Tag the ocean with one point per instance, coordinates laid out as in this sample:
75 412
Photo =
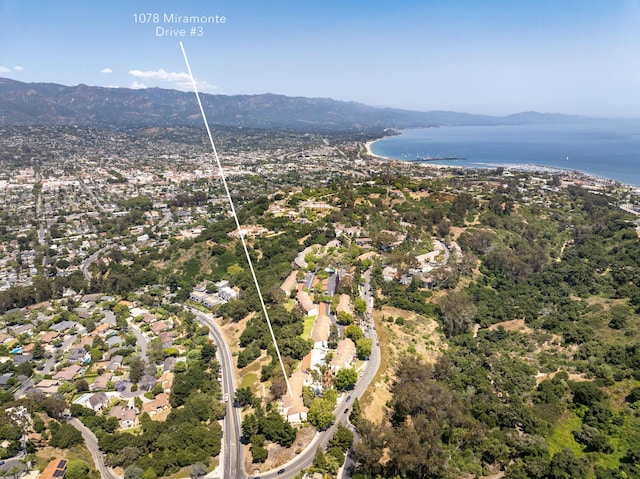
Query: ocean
607 149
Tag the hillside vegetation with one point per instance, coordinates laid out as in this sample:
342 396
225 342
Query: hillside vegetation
534 368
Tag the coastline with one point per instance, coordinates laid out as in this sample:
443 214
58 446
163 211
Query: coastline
520 167
367 146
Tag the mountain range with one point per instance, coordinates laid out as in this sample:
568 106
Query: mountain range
100 107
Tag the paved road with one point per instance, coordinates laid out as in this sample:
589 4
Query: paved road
10 464
96 201
233 452
26 386
84 267
92 444
51 362
305 458
233 456
141 339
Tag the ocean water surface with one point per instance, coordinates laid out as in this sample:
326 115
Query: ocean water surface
608 149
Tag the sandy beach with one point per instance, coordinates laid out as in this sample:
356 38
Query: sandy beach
567 174
415 163
368 144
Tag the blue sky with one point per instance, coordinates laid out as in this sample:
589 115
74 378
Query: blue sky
494 57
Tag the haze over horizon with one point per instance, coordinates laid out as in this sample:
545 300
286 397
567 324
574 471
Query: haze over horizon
495 58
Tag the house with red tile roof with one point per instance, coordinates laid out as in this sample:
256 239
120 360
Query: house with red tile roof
160 403
292 405
344 356
345 304
289 283
304 300
320 331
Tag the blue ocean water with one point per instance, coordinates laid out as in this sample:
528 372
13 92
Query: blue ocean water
608 149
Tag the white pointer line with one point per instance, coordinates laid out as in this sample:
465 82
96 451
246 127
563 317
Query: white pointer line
235 217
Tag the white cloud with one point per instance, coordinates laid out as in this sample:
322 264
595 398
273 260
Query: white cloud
18 68
178 80
161 75
106 70
136 85
4 69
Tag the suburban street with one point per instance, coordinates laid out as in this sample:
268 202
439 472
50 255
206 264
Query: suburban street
51 362
141 339
232 456
12 465
84 267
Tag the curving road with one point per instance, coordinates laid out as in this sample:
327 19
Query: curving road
305 459
92 444
233 452
84 267
233 457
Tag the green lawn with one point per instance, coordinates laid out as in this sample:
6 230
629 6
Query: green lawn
249 380
308 326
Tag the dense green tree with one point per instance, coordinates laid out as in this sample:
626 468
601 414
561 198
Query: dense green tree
81 385
133 472
565 465
65 436
208 352
250 426
136 369
458 312
354 332
149 473
342 438
38 351
344 318
77 469
363 348
320 413
360 305
244 397
345 379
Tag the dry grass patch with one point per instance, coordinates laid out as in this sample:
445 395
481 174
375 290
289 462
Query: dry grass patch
456 231
517 325
572 377
606 303
232 332
279 455
303 239
417 336
160 416
418 195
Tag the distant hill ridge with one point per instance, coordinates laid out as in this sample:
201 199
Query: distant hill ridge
90 106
